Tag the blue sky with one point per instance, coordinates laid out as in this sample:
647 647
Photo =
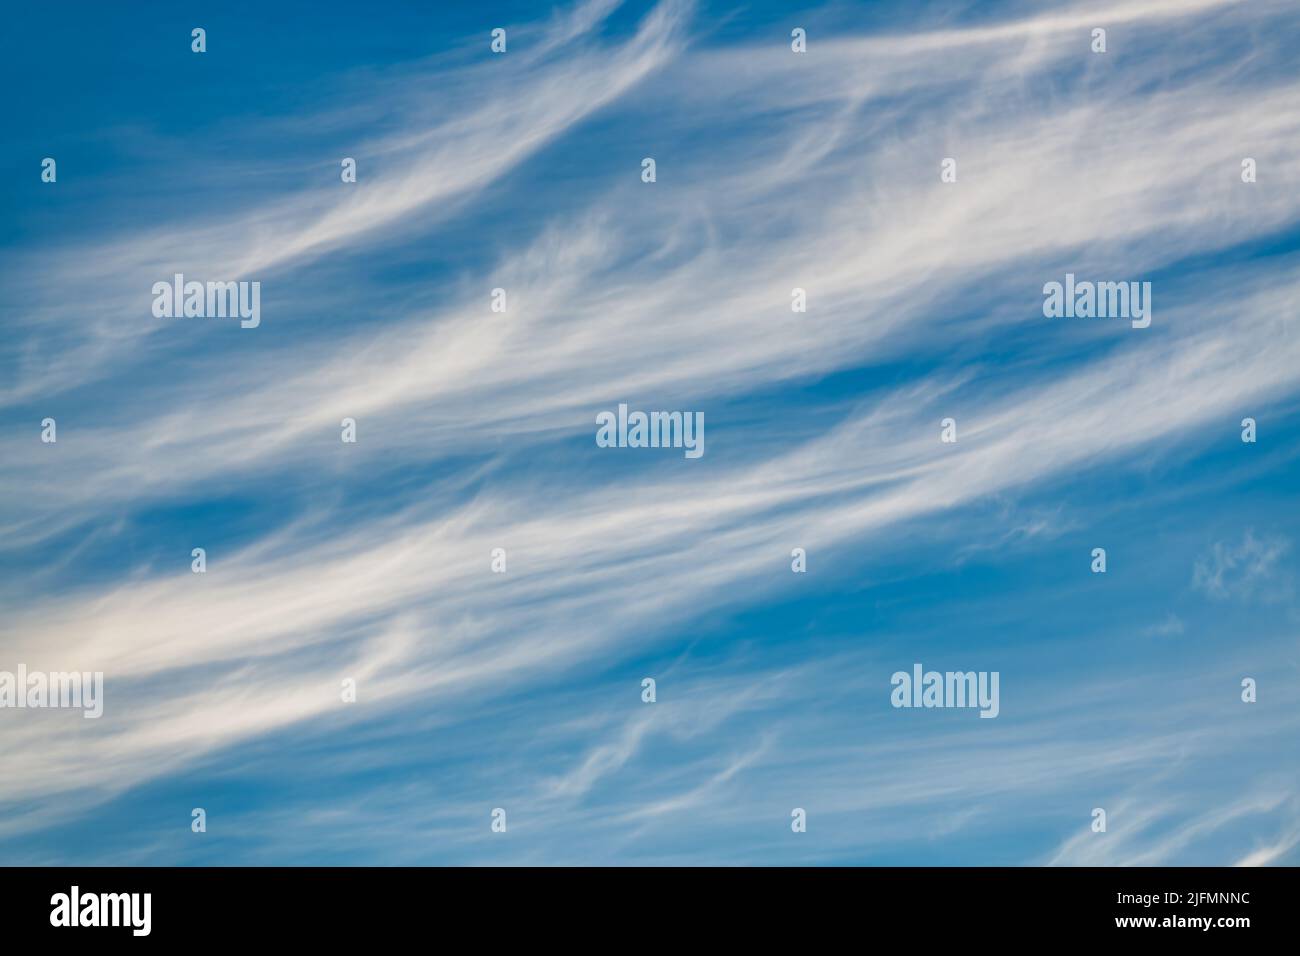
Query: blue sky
775 170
